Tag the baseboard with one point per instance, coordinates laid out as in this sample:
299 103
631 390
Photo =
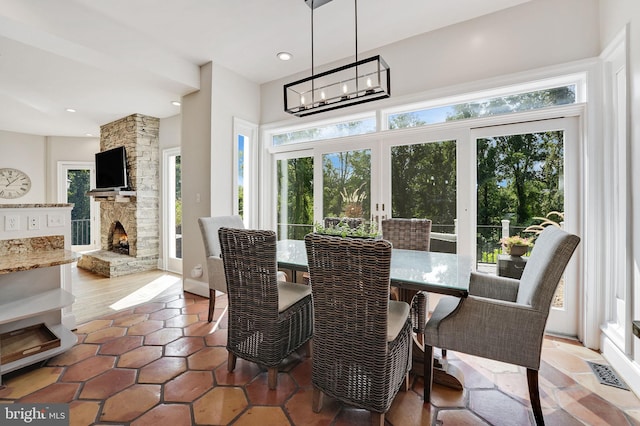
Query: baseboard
196 287
626 368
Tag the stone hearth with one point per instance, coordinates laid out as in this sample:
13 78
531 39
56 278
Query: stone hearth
139 215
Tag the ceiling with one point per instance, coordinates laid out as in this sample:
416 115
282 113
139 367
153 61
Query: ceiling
111 58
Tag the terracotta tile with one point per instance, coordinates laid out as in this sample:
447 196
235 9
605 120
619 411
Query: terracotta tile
195 308
162 370
566 362
140 356
108 383
589 407
475 377
179 303
184 346
91 367
514 385
130 403
219 406
164 314
54 393
408 409
163 336
495 407
244 372
82 413
265 416
166 414
301 373
188 386
202 328
576 348
20 384
75 354
634 416
129 320
259 393
219 338
560 417
350 416
145 327
553 376
181 321
94 325
148 308
623 399
299 407
459 418
118 314
121 345
105 334
207 358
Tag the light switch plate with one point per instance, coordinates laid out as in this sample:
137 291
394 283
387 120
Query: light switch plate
12 222
55 220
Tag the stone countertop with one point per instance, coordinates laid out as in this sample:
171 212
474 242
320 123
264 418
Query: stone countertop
35 259
33 206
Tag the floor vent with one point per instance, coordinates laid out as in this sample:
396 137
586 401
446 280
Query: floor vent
607 376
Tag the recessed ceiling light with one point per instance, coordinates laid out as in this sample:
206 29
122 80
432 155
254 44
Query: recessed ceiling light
71 110
175 103
284 56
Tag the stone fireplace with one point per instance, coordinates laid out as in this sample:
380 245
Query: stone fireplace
129 220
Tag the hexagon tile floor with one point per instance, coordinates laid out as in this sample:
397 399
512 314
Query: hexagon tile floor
161 363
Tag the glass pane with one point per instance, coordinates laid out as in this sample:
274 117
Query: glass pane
178 207
329 131
295 198
241 175
78 184
347 184
520 181
485 107
423 185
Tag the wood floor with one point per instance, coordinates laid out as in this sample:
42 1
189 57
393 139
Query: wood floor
97 295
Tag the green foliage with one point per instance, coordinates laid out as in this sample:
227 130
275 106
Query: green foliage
342 229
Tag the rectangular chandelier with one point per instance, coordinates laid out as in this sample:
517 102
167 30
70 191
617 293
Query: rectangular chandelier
363 81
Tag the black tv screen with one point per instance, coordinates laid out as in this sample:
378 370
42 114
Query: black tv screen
111 169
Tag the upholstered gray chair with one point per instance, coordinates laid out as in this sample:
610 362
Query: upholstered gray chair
411 234
215 270
268 319
502 318
362 340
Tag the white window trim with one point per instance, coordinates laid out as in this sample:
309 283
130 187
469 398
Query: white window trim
251 170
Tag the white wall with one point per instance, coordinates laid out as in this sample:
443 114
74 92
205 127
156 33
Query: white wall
535 34
38 156
170 129
207 157
614 16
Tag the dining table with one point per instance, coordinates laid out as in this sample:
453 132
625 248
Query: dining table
411 271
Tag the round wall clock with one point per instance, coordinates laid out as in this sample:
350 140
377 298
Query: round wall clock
14 183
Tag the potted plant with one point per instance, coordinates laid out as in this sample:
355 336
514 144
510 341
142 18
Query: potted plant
516 245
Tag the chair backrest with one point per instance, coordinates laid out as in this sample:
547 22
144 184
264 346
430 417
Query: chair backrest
410 234
350 288
209 228
250 268
542 273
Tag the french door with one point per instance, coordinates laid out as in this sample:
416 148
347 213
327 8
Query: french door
75 179
528 173
172 210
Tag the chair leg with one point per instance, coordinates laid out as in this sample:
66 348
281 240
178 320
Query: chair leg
212 303
273 377
444 353
406 384
231 362
308 349
534 396
318 397
428 372
377 419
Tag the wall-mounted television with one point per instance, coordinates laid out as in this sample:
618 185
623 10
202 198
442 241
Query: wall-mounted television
111 169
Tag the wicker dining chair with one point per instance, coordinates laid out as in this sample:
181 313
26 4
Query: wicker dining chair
362 340
503 319
411 234
268 319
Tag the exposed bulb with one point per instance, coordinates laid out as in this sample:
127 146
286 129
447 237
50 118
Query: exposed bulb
345 89
369 84
301 100
323 96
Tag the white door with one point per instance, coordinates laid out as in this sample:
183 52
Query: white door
531 169
172 210
75 179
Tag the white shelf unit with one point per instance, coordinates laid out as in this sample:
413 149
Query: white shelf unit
35 284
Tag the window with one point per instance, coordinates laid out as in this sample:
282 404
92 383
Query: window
318 132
